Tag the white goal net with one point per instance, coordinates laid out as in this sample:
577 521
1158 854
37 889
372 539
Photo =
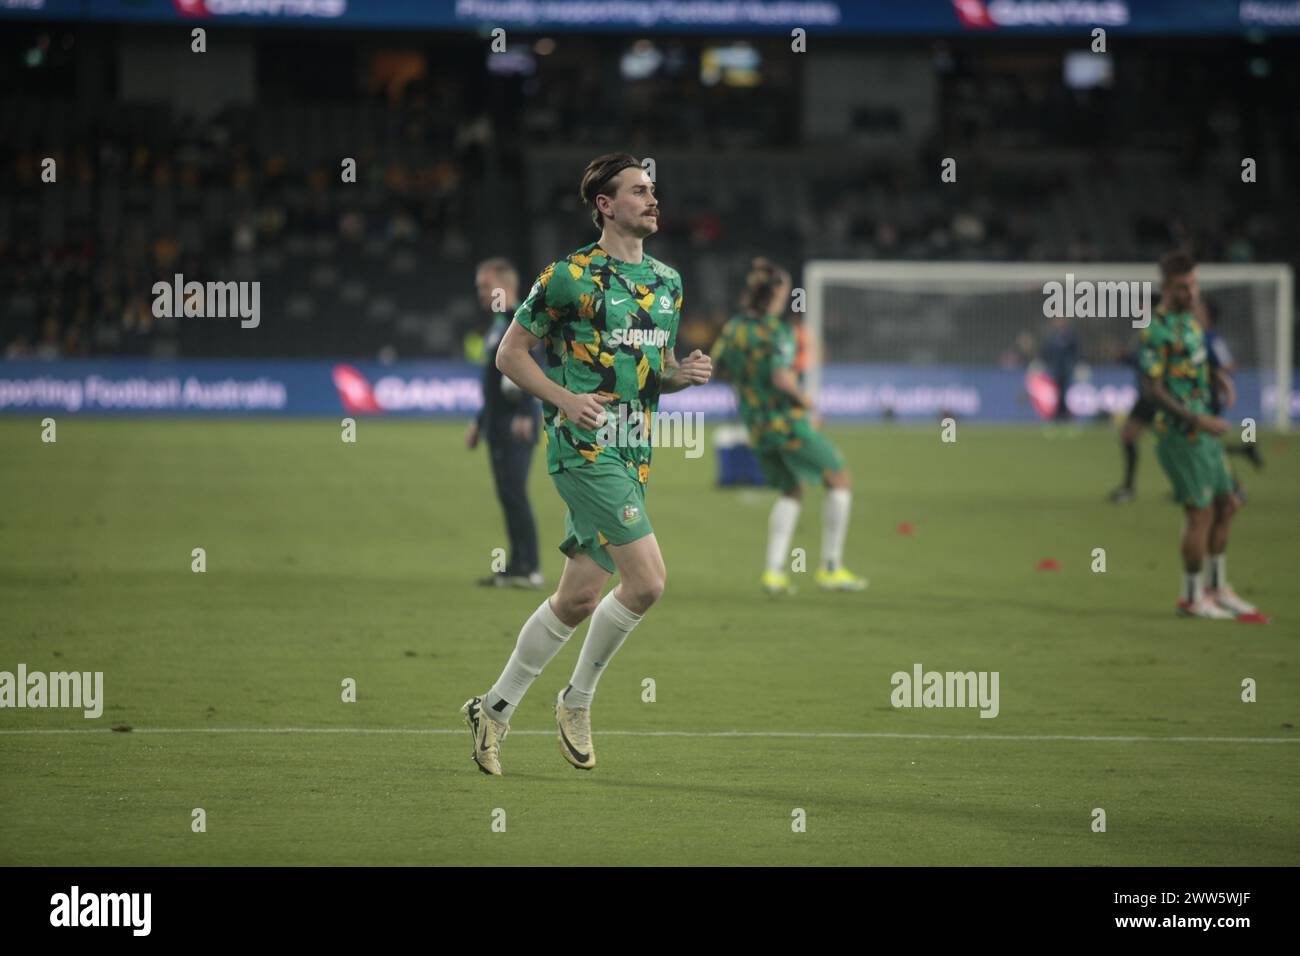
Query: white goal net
950 316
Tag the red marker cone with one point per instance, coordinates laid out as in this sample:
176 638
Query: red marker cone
1049 564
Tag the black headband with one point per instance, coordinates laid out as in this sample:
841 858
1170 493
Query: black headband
600 183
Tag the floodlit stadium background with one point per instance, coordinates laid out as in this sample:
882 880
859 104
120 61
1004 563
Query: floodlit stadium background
225 166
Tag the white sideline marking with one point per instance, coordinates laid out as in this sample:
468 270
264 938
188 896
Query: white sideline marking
666 733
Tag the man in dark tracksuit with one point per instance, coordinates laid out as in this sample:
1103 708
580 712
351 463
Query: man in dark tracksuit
509 423
1061 355
1140 417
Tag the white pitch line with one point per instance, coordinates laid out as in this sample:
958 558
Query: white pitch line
1034 738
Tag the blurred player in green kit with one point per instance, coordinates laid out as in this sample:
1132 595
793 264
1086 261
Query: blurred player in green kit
756 353
607 318
1175 366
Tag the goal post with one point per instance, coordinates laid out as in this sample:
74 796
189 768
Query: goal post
953 316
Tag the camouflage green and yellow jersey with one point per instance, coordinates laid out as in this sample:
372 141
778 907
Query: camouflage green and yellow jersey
1173 352
748 350
606 327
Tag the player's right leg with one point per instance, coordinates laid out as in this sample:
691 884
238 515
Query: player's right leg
1217 588
781 522
833 575
810 456
1184 465
1192 600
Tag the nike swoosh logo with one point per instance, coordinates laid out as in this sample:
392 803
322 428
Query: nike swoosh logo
582 758
480 728
617 301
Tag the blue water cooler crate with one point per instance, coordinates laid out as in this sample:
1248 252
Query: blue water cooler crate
736 462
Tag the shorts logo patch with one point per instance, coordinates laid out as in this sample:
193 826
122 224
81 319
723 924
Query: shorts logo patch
630 513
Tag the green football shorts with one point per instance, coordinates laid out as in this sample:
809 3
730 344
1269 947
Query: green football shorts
807 456
1197 469
606 506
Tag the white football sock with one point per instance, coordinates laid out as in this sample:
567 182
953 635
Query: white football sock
1216 574
540 639
780 530
1192 586
610 625
835 525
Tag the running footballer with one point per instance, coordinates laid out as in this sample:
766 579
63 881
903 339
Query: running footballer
606 316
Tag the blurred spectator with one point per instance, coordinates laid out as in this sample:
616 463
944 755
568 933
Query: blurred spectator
1060 353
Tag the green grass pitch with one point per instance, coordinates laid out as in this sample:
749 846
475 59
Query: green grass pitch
328 560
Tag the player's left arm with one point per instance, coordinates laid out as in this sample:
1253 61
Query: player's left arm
695 369
1224 387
